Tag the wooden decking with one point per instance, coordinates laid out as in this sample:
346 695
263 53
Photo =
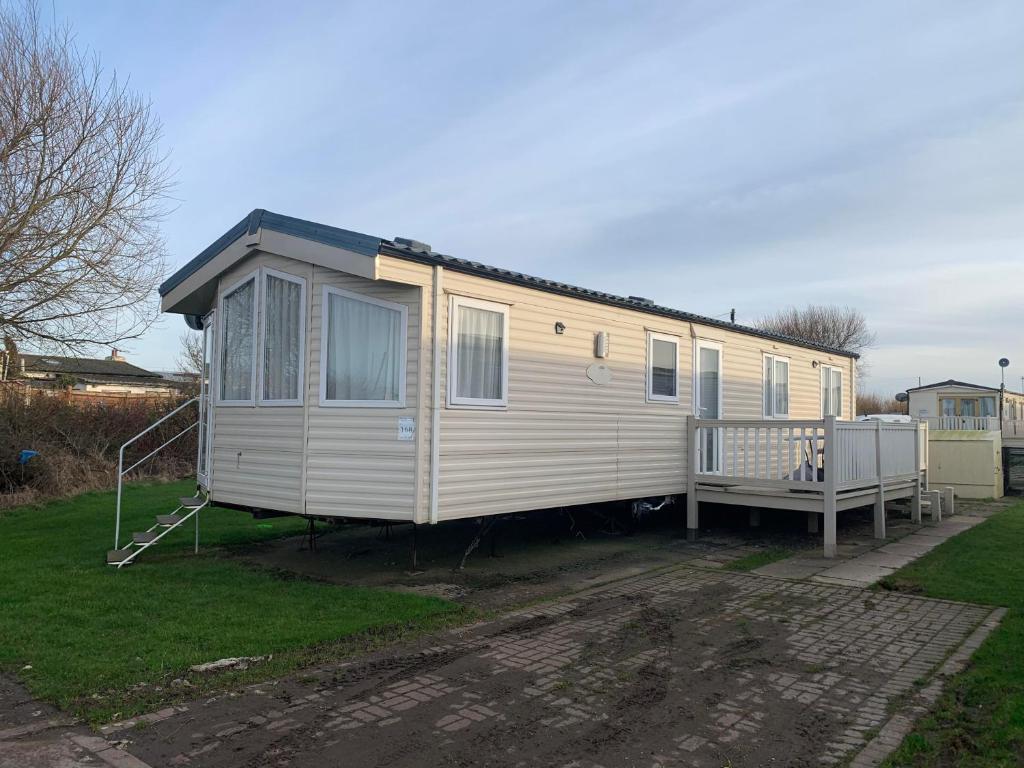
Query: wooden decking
818 467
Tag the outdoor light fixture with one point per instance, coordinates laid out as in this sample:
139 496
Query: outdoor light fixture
559 328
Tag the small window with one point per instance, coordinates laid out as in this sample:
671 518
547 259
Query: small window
283 334
662 368
362 359
776 387
238 352
478 353
831 391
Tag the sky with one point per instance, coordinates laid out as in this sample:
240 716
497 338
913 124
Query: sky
707 155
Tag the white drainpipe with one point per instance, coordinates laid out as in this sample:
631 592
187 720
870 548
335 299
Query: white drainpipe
435 392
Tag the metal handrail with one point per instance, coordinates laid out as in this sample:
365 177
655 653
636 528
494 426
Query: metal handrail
121 471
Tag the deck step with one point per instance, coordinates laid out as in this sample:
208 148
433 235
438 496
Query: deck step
192 502
144 537
115 556
167 521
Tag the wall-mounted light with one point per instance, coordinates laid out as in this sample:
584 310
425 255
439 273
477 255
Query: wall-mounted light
559 328
814 363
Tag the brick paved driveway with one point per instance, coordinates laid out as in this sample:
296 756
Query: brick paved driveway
687 667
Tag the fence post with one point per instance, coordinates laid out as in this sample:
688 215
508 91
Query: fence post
691 478
880 501
829 503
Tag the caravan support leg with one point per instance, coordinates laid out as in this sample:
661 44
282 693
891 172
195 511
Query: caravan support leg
415 562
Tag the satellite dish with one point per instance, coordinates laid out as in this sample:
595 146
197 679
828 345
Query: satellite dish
902 397
1003 362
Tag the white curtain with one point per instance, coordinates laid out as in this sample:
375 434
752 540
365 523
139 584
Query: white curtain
480 359
281 343
781 388
237 350
363 350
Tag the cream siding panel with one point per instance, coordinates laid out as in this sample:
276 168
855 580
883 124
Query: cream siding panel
564 440
357 466
258 450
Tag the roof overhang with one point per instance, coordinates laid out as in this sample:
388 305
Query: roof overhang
191 290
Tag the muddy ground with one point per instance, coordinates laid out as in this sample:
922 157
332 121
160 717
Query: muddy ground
537 556
689 666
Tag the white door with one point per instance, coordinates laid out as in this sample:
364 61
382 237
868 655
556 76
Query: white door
206 389
707 398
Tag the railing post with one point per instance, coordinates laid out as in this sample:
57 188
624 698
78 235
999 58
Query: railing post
691 478
120 477
880 501
915 502
829 502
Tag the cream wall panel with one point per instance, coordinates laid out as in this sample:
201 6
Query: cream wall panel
258 450
356 465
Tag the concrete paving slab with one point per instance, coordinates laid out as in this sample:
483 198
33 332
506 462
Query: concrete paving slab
910 546
892 560
855 571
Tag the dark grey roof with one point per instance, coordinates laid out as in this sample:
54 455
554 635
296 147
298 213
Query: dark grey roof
87 367
287 225
955 383
370 246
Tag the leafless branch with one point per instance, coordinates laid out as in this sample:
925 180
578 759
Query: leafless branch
83 188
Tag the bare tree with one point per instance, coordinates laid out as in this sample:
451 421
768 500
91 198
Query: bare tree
83 187
869 402
190 357
843 328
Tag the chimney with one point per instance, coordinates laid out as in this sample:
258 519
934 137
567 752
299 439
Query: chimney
115 355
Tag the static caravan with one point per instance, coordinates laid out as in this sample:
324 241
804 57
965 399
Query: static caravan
959 405
353 376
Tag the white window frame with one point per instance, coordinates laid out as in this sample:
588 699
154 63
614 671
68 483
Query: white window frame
828 369
653 336
764 385
453 400
325 320
266 272
221 330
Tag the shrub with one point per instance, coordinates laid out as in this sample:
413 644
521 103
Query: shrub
78 440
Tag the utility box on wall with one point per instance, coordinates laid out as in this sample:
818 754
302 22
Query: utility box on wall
970 461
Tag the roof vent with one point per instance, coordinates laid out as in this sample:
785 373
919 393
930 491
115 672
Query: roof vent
642 300
412 245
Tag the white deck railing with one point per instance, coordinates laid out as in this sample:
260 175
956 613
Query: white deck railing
796 455
984 423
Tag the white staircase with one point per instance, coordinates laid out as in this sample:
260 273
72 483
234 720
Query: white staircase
188 508
143 540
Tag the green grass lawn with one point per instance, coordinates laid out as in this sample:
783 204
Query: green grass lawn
979 720
91 634
757 559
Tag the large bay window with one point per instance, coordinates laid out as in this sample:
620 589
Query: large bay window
238 350
283 333
274 303
776 387
662 367
831 391
478 353
363 350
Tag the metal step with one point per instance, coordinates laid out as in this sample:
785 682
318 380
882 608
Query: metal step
115 556
192 502
166 521
144 537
